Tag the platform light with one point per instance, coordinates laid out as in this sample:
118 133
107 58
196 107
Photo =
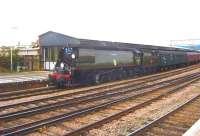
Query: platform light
73 56
62 65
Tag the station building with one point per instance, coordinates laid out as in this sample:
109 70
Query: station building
50 43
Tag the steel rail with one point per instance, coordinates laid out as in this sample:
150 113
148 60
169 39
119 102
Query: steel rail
6 95
131 109
18 92
78 100
156 121
157 77
35 125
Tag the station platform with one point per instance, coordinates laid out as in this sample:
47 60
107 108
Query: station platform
23 77
194 130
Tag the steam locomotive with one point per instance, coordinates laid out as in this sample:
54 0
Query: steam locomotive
98 61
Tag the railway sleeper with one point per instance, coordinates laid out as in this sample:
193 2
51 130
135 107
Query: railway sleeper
175 124
181 124
161 131
170 127
183 115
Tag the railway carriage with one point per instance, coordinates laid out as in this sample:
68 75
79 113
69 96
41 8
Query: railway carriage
97 62
193 57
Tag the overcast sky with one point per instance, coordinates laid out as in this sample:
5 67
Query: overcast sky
133 21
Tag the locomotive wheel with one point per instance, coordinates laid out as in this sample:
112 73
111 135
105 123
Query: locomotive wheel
130 73
124 74
120 76
97 79
109 78
60 83
113 76
103 79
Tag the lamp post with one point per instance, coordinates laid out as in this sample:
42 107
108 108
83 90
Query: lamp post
11 60
14 29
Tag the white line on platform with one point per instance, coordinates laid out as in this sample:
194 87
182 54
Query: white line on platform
194 130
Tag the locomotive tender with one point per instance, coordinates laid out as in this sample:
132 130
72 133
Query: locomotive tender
100 61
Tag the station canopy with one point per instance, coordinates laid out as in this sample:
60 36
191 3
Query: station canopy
53 39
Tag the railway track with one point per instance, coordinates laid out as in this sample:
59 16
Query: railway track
175 122
47 90
77 96
82 99
10 95
26 121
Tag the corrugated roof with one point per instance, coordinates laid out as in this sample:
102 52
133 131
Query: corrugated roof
51 38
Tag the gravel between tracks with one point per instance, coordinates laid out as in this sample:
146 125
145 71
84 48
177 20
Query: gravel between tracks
9 102
122 127
143 116
66 91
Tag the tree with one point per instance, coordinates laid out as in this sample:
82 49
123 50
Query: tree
5 58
